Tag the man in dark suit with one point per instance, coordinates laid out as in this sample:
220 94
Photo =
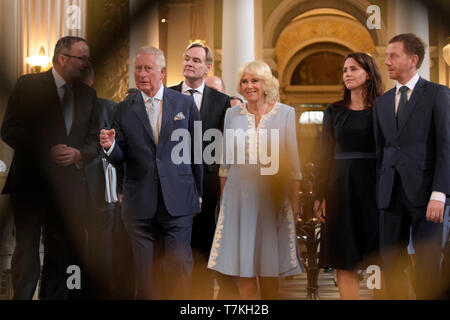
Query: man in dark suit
212 105
160 194
412 132
51 122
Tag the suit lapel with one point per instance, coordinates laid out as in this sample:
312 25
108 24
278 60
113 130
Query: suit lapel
391 120
388 113
412 103
138 107
178 87
165 118
79 100
53 104
204 109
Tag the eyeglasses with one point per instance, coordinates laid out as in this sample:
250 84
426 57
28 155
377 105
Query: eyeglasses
83 59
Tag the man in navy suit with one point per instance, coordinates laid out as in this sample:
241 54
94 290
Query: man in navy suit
160 197
412 132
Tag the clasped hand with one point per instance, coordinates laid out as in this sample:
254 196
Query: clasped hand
64 156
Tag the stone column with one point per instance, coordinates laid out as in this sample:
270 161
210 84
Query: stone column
144 29
179 35
238 39
412 16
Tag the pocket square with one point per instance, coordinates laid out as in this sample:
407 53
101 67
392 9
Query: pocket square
179 116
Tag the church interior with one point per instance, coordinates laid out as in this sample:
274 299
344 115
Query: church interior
303 41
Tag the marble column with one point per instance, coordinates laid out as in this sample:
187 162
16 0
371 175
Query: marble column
144 29
412 17
238 39
179 35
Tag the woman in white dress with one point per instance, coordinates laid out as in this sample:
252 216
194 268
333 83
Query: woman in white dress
255 236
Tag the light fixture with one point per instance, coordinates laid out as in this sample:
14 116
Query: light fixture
39 61
203 42
163 20
446 52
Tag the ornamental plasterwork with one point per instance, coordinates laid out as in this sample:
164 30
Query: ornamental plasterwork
316 29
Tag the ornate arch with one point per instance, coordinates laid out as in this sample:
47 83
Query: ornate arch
300 55
287 10
341 31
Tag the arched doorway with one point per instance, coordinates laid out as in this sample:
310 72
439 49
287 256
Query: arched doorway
305 45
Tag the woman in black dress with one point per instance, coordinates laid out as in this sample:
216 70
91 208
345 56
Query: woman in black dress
346 176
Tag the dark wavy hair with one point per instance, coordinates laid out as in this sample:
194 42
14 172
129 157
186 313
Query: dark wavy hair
374 85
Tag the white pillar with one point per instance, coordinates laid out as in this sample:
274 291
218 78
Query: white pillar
179 35
412 17
238 39
144 31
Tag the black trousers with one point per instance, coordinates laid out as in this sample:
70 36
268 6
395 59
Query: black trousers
64 245
124 278
395 223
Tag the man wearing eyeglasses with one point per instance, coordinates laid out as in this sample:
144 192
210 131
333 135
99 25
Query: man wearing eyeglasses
51 122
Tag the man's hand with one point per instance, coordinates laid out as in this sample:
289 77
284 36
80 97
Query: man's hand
64 156
435 211
107 138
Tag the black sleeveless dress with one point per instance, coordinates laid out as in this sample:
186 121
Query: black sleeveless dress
346 178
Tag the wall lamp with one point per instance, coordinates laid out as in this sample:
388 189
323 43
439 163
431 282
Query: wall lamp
39 61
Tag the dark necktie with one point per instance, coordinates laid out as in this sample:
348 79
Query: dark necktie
67 105
402 103
192 91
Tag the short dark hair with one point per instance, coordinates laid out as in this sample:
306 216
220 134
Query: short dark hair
63 44
412 44
208 54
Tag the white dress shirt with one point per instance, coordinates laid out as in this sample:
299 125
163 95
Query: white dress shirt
198 94
157 101
157 104
410 84
59 82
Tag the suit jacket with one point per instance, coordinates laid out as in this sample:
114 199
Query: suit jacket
419 149
34 122
95 175
212 113
149 166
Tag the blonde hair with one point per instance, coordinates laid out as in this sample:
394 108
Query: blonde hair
261 70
